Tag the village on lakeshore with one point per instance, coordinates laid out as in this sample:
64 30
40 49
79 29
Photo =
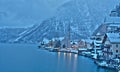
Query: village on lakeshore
103 46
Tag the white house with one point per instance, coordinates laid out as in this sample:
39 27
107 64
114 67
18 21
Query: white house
113 27
98 40
112 20
112 45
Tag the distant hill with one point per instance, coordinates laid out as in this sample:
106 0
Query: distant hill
9 34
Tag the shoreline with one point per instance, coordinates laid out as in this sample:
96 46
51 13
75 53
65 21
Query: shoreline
96 61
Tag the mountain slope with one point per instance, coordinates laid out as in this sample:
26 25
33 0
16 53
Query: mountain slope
22 13
9 34
82 15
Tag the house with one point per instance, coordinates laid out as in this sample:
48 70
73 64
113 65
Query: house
82 44
114 13
99 40
107 51
65 43
112 46
113 24
113 27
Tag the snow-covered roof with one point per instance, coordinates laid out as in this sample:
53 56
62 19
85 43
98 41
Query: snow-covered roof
115 24
107 42
98 34
74 42
60 38
88 40
113 37
113 20
45 40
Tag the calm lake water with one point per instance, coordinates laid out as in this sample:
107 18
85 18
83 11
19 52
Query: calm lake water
28 58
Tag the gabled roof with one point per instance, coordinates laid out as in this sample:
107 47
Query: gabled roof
113 37
115 24
112 20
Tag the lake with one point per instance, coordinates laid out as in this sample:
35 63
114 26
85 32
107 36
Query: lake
28 58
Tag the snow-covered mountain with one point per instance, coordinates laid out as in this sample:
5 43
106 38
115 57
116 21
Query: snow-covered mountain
22 13
9 34
83 16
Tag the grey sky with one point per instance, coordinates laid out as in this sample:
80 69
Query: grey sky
26 12
22 13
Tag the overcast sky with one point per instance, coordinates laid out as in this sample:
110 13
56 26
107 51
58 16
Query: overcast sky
22 13
26 12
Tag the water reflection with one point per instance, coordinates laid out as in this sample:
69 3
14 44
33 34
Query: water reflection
31 60
58 61
75 56
64 57
75 63
65 54
69 59
59 54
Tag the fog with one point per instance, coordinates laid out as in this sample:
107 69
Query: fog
23 13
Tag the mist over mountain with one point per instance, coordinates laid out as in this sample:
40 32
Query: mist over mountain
83 16
22 13
9 34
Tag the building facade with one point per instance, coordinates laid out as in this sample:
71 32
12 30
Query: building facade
112 46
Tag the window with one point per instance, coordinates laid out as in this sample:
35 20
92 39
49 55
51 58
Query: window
111 53
99 39
116 51
116 56
117 45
